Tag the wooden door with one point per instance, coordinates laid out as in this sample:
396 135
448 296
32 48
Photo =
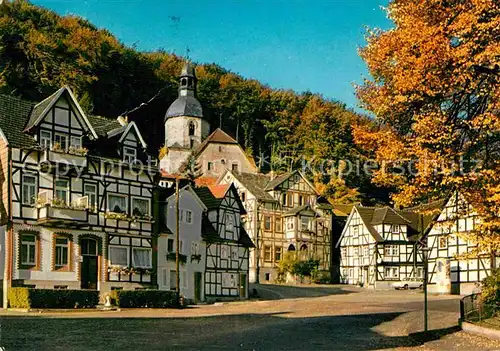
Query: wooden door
89 272
197 286
243 285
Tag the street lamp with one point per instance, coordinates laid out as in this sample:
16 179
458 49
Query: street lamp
425 253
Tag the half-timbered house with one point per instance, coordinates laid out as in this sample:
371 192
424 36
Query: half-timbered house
76 197
449 239
378 246
284 213
213 246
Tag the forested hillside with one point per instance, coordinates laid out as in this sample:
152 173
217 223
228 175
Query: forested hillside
40 51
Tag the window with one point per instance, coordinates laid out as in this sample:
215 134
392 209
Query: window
60 287
268 254
170 245
45 139
221 149
90 190
355 231
243 196
28 249
443 242
117 203
366 251
267 223
395 228
29 189
118 256
62 252
140 207
186 216
234 167
141 257
277 253
301 200
195 248
224 252
343 251
420 272
229 222
289 200
129 154
391 272
62 191
210 166
267 276
234 253
305 223
61 142
303 247
173 279
277 225
356 251
75 142
223 162
391 250
191 128
290 223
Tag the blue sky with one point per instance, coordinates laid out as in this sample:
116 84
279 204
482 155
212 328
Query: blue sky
292 44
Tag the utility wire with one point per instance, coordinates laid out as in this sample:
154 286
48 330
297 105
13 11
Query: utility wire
145 103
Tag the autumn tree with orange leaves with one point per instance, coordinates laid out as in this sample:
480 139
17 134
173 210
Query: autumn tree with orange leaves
435 91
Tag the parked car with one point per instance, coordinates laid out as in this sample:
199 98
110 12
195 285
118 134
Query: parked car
412 283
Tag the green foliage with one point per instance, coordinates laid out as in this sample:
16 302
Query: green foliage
294 264
490 289
144 298
48 298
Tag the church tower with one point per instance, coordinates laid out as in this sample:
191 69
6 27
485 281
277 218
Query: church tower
185 127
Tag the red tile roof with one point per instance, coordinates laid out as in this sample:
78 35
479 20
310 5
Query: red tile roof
205 181
219 190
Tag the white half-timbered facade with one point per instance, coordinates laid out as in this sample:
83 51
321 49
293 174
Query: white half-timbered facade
77 193
284 213
448 239
378 247
227 249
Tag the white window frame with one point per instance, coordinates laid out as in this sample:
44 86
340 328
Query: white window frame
30 201
186 216
150 251
67 189
46 142
355 231
142 199
119 247
118 195
391 251
62 136
79 143
396 229
127 152
229 223
441 240
391 270
366 251
67 246
29 244
89 193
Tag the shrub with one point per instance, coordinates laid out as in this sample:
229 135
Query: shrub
490 289
48 298
144 298
322 278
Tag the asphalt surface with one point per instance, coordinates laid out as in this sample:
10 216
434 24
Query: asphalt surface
285 318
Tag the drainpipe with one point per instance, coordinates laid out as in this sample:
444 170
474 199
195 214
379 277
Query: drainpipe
8 245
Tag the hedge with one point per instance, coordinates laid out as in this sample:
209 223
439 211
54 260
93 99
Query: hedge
144 298
48 298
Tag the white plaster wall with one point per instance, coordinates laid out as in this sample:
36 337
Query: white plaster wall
230 153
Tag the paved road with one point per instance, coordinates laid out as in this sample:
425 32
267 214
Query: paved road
298 318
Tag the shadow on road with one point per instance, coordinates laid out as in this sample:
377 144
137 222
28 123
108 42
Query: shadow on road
243 332
277 292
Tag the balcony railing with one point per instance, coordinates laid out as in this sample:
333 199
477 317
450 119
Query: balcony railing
71 159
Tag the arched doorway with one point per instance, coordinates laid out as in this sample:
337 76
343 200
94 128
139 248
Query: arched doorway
291 247
89 265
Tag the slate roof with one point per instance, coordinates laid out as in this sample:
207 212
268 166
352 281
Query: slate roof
388 215
255 183
366 214
244 239
278 180
14 114
430 213
208 199
208 232
39 108
300 210
185 106
103 125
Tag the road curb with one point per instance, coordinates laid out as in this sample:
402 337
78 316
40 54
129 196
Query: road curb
482 331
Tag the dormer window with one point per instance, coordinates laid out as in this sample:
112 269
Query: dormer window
61 142
191 128
45 139
129 154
